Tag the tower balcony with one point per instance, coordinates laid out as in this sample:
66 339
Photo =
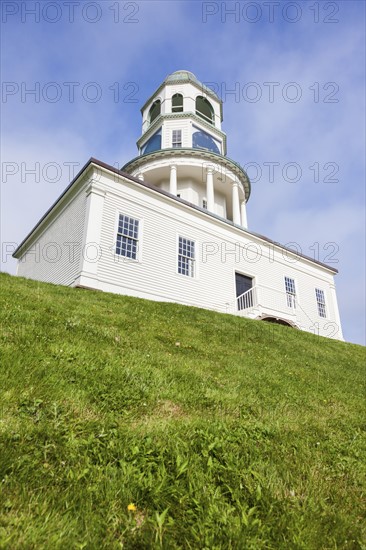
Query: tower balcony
203 178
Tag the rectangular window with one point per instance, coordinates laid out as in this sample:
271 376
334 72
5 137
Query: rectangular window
127 237
204 203
177 139
320 299
290 292
186 257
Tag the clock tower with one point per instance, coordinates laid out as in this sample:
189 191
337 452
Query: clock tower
182 149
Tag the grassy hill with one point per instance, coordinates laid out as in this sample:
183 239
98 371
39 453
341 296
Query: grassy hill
133 424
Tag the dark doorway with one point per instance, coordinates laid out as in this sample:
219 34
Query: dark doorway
243 284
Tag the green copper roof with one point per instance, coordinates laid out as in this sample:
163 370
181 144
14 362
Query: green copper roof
187 76
181 75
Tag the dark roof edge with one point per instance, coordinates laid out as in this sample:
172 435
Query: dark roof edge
106 166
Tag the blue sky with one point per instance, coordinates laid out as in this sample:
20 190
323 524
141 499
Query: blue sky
297 72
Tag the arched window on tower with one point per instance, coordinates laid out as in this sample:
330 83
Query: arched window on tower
155 110
204 109
177 103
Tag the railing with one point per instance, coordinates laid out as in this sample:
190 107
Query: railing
278 302
247 300
269 300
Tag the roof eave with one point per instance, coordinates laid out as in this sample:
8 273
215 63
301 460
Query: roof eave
114 170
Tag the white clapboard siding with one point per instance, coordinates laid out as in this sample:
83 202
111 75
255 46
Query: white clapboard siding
50 258
155 275
177 124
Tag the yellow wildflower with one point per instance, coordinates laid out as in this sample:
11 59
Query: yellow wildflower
131 507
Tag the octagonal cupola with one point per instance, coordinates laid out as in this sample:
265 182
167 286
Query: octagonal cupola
182 149
182 112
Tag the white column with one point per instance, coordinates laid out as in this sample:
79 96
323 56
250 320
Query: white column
173 180
236 207
210 190
243 214
337 317
91 249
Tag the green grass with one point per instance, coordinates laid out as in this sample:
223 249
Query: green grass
224 433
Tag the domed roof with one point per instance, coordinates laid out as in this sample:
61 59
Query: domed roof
187 76
182 75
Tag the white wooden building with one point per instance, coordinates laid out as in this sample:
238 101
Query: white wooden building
172 225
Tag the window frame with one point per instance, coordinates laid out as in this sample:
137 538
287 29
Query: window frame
321 303
154 104
290 289
196 127
177 144
192 264
121 257
157 133
177 108
210 120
